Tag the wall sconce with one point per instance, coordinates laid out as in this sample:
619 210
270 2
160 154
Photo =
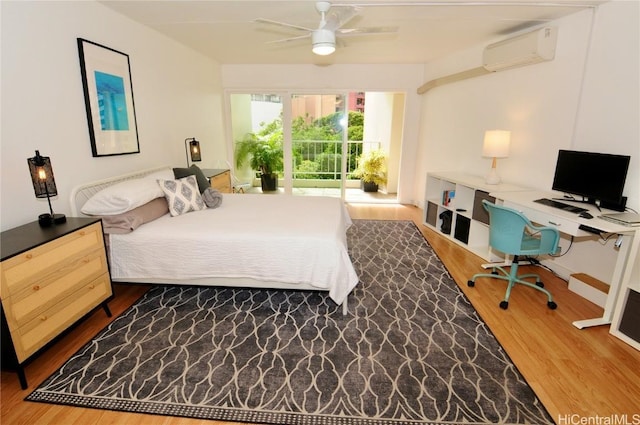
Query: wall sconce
44 186
496 145
192 147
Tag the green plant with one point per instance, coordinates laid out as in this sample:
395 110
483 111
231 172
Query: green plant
372 167
263 154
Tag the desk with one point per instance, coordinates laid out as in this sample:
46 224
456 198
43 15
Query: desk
569 223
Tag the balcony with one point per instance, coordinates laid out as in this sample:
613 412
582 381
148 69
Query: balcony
316 171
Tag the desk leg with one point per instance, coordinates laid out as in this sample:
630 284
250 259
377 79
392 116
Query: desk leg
501 260
621 275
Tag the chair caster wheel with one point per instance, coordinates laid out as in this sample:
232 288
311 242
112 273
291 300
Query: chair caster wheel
552 305
504 305
540 284
495 272
471 283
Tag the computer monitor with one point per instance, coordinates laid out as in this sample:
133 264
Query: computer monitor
597 177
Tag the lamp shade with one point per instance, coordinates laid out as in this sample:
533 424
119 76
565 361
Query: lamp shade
44 184
324 42
192 147
496 143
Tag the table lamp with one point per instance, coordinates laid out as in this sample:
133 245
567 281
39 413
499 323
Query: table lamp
496 145
192 147
44 186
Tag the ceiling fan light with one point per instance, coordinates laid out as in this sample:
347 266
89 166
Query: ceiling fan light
323 49
324 42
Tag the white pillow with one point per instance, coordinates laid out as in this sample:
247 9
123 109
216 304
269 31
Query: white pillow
127 195
182 195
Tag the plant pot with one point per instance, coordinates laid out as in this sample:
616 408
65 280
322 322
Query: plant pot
269 182
369 187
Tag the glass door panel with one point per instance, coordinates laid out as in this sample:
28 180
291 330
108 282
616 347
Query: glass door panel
257 134
317 135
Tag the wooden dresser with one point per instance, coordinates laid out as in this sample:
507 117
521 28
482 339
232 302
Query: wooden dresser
50 277
220 179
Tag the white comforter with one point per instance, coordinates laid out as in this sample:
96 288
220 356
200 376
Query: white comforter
294 240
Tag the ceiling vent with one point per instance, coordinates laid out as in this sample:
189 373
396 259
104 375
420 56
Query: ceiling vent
526 49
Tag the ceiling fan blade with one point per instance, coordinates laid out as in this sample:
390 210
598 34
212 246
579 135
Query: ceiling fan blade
286 40
282 24
339 16
366 30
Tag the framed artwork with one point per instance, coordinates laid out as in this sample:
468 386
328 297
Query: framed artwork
108 97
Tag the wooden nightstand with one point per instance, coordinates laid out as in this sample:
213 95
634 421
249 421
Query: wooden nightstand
220 179
50 277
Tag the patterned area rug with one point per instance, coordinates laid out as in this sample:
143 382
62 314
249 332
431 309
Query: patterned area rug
411 350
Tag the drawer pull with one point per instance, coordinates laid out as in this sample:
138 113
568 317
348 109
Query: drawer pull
555 224
43 318
29 256
36 287
92 286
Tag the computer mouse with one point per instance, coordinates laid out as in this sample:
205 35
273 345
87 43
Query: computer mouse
585 214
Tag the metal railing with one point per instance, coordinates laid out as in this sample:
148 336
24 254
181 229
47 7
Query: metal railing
322 159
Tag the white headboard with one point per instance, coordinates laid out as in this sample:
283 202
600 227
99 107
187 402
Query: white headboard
81 194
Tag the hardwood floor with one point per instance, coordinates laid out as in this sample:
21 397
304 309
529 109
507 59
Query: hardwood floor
579 375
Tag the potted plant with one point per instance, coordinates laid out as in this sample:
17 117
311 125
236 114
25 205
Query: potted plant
371 170
264 155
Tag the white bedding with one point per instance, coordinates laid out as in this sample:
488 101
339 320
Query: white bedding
279 238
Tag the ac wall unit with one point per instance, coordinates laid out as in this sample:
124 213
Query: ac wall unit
525 49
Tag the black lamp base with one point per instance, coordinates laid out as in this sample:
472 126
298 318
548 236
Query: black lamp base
47 220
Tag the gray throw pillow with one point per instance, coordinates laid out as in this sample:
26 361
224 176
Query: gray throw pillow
194 170
212 197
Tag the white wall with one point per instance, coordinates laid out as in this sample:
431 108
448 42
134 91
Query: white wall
176 91
316 79
585 99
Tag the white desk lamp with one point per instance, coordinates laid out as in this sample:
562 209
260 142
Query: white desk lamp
496 145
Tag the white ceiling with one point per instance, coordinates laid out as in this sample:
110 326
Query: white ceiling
427 30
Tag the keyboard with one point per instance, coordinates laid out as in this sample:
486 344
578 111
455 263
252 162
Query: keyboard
560 205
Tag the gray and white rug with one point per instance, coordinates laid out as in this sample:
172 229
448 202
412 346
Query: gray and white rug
411 350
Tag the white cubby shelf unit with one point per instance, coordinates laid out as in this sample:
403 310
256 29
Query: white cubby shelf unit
453 208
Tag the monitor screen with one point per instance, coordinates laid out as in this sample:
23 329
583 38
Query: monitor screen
594 176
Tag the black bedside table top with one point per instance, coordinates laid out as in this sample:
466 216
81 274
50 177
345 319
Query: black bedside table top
23 238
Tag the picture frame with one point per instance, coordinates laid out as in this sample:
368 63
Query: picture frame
108 97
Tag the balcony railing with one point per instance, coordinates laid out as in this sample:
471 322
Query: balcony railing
322 159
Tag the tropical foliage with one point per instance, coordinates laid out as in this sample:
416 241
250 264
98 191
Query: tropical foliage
372 167
317 151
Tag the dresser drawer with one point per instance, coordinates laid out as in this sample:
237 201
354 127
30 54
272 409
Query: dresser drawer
222 182
41 294
37 332
47 262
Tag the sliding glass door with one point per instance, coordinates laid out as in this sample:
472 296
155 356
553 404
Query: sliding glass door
309 143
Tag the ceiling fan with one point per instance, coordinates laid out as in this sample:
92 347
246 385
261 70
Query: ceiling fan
323 38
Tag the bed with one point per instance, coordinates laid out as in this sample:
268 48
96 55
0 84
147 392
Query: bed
256 241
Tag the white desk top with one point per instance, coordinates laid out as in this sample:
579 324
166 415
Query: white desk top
526 199
476 182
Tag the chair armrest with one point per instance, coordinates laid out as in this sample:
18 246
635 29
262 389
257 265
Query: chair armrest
549 237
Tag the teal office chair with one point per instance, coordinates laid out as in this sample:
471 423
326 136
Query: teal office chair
510 232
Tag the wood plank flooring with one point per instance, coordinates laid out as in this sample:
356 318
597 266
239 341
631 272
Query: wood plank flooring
579 375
